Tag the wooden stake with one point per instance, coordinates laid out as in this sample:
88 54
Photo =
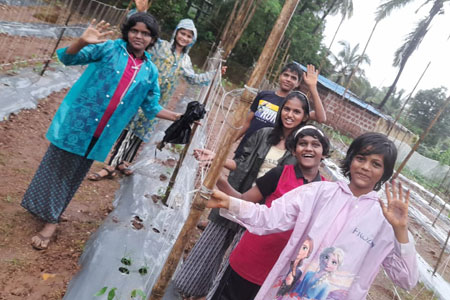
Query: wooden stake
283 60
442 253
186 147
442 209
238 118
407 100
437 189
325 55
422 137
347 87
353 73
58 41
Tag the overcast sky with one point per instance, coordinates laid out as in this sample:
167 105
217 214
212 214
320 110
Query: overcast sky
389 36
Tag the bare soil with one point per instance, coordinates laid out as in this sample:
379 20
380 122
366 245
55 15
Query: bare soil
22 145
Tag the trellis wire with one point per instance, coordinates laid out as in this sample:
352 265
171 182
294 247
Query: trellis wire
83 11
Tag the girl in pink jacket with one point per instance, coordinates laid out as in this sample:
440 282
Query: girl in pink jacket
353 231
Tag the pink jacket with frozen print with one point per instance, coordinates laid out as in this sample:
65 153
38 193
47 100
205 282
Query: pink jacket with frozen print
336 249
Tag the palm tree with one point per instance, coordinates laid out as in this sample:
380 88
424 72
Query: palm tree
413 40
333 7
346 60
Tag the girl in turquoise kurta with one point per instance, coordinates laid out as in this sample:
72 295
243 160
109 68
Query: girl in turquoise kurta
120 78
173 61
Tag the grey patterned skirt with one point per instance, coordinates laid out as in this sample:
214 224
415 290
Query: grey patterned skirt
56 180
196 275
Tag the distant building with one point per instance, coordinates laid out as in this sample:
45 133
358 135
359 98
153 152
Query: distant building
352 116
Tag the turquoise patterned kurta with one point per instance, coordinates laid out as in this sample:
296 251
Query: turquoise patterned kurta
170 68
77 118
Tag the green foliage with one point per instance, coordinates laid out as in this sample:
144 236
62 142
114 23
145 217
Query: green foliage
168 13
101 292
348 66
305 46
424 107
440 152
112 294
422 180
138 293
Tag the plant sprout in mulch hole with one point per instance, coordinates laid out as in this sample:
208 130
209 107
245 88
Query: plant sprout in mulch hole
143 271
137 223
127 262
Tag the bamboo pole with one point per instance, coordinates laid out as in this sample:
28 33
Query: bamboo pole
186 147
422 137
359 61
273 62
442 209
239 24
227 27
353 73
238 118
325 55
437 189
442 253
284 58
58 41
407 100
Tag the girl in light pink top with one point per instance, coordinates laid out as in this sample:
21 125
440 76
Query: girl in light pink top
353 231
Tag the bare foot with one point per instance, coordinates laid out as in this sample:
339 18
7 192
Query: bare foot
41 240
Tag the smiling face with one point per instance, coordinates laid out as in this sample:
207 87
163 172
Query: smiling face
288 81
292 113
365 172
139 38
309 152
183 38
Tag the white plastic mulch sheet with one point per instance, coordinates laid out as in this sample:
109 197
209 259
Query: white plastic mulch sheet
129 249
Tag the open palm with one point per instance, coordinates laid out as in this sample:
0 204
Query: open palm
96 34
396 211
311 76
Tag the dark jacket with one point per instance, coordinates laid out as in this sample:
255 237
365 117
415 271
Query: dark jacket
247 167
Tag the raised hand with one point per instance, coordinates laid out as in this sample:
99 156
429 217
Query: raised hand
96 33
311 76
141 5
396 211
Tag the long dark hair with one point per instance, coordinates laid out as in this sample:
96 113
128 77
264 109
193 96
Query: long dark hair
143 17
276 134
367 144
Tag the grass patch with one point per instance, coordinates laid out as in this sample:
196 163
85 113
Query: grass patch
422 180
23 171
17 262
9 199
